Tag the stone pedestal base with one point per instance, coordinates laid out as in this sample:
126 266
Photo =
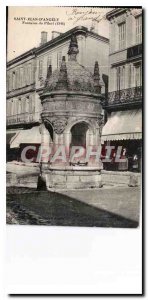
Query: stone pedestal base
72 178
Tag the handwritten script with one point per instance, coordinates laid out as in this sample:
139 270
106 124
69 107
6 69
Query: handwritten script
78 14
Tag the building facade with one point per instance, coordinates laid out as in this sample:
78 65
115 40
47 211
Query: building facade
124 102
26 76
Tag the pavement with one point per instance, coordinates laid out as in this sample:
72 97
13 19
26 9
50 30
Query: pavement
114 207
121 200
103 206
21 168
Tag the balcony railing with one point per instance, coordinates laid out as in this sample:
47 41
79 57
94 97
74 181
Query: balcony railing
24 118
125 96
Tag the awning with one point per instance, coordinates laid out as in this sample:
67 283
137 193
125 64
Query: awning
27 136
10 134
123 125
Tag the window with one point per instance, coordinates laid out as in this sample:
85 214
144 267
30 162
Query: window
129 75
40 68
10 81
21 76
27 104
122 78
31 105
22 105
12 107
139 29
13 80
49 61
120 74
19 106
59 59
15 106
29 74
8 108
138 75
122 35
25 75
7 83
18 78
118 78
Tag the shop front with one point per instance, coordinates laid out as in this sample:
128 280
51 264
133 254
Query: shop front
124 129
28 140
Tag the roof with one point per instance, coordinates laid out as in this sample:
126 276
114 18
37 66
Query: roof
53 42
28 53
120 10
78 78
72 76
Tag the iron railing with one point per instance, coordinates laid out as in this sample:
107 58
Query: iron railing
124 96
23 118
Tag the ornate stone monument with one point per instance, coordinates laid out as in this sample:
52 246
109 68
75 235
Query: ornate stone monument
71 119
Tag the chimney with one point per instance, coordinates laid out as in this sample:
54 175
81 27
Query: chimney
94 26
43 37
55 34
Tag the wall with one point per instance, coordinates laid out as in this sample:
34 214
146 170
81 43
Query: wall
90 50
96 50
26 78
118 57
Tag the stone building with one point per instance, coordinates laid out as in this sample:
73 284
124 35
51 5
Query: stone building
71 117
26 75
21 107
124 101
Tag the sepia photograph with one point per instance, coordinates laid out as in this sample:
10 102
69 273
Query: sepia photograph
74 116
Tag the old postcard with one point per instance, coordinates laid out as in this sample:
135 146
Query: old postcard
74 116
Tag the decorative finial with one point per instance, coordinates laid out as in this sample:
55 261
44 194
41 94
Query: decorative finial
96 70
73 48
97 85
62 83
49 73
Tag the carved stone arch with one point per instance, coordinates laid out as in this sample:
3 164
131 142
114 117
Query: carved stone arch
87 133
71 123
47 122
49 127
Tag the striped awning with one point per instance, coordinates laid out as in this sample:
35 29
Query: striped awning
27 136
123 125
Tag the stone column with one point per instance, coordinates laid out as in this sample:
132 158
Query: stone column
45 141
67 141
43 158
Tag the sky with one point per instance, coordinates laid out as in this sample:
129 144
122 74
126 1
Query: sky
23 36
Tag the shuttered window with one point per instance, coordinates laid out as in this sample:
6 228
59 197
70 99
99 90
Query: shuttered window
139 29
40 68
122 35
